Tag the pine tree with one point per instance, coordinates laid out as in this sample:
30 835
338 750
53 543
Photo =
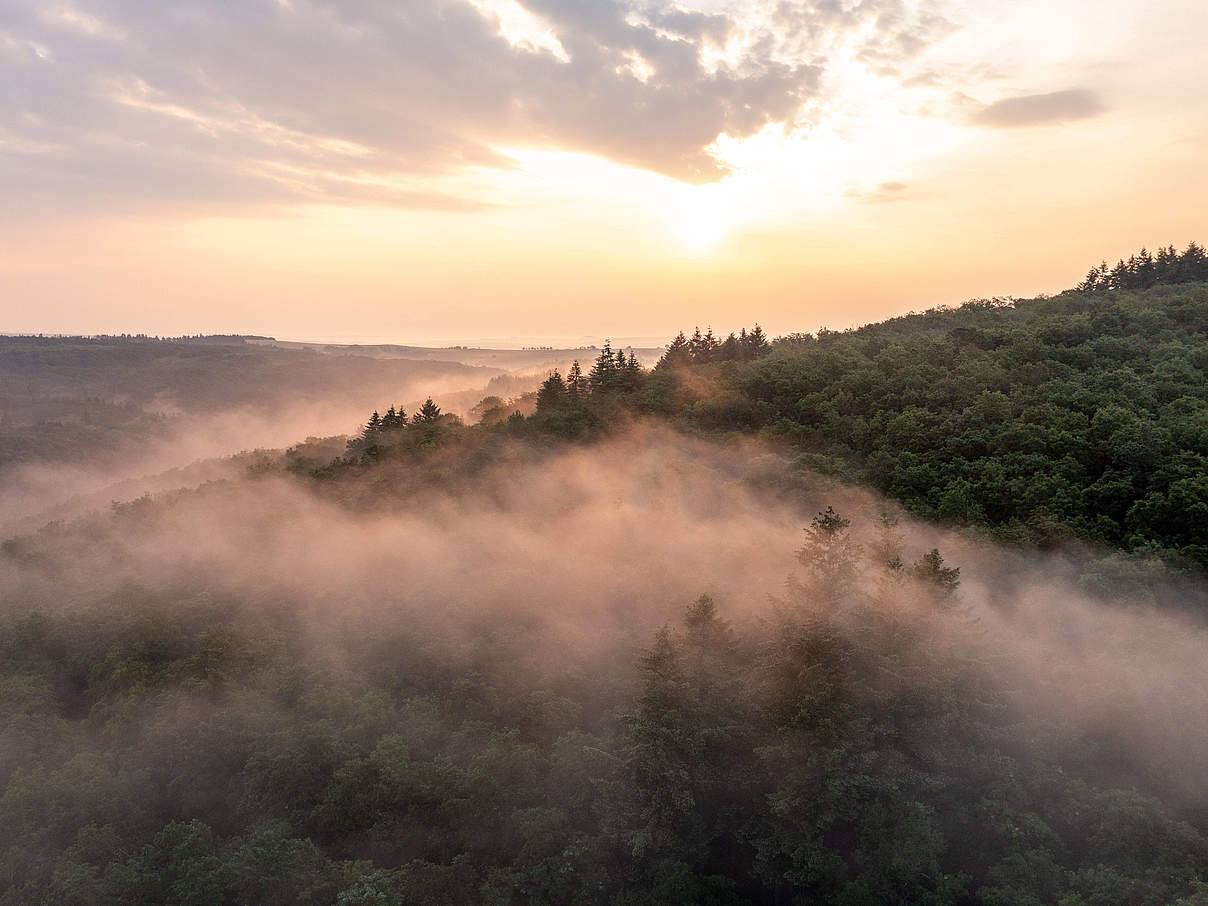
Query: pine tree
553 394
429 412
678 353
1118 278
395 419
604 373
704 348
576 383
1193 264
731 349
757 343
1144 273
830 556
930 569
632 366
372 428
1166 264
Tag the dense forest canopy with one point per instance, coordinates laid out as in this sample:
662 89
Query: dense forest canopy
654 635
1076 416
1081 416
462 694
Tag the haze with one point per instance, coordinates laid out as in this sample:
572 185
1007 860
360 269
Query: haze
472 168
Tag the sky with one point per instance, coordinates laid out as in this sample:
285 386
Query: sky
441 170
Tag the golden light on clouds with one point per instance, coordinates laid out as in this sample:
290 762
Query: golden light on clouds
470 166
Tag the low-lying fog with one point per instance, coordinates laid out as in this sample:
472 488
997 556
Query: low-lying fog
197 448
577 557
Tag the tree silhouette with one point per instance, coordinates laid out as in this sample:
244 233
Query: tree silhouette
429 412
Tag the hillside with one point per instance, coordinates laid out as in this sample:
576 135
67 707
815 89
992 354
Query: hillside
655 641
1077 416
1082 417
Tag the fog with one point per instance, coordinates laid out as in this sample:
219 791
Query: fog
571 560
198 446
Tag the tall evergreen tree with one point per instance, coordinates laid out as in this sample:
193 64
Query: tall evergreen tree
429 412
576 384
553 394
757 343
394 419
603 374
830 556
372 428
678 353
704 348
731 349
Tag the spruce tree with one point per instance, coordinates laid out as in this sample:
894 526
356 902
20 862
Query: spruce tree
576 383
429 412
731 349
757 342
678 354
553 394
372 428
604 372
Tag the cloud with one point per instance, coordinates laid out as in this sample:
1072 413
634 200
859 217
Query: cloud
886 191
1040 109
317 100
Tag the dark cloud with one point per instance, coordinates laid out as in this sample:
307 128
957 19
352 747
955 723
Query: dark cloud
265 100
1040 109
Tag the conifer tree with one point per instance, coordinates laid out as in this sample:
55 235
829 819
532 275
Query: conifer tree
576 383
678 353
553 394
930 569
1194 263
428 413
757 342
604 372
704 348
731 349
372 428
829 554
394 419
633 372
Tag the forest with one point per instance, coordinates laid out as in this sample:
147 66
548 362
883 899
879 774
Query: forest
912 613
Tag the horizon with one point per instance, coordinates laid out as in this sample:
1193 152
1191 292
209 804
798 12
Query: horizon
522 341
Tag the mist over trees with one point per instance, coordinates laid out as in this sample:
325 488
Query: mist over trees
1073 418
912 613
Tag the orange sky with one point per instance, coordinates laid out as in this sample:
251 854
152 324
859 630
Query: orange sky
561 170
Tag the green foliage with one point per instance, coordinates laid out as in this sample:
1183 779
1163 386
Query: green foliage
1080 416
840 748
1144 270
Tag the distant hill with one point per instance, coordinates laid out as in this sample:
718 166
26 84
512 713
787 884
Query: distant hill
77 398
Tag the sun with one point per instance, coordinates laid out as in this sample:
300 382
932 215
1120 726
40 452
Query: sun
699 217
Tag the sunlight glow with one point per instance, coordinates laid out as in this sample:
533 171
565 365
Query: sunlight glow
522 28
